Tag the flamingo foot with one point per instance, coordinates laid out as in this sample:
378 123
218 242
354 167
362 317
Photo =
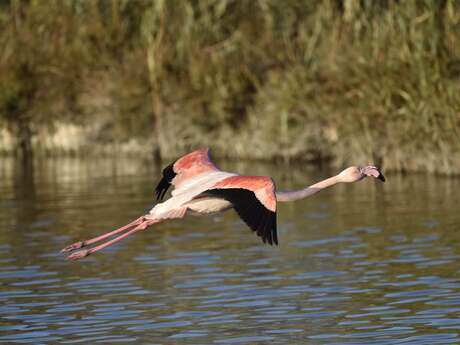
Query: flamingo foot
76 245
78 255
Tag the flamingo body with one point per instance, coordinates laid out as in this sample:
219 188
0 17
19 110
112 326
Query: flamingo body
185 193
200 187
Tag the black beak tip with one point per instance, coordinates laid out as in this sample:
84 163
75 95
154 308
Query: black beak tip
381 177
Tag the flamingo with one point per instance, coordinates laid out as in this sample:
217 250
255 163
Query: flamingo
200 187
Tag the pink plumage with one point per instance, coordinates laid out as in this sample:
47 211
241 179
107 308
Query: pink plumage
262 186
193 164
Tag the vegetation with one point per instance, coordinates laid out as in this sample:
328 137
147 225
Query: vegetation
337 80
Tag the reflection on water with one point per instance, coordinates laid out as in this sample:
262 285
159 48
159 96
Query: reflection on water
359 264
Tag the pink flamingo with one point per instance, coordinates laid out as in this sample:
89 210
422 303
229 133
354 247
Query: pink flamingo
200 187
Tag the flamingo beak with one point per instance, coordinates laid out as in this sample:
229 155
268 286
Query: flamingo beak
373 171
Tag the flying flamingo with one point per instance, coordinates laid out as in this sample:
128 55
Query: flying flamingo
200 187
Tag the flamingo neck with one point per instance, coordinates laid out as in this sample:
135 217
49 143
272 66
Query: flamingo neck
310 190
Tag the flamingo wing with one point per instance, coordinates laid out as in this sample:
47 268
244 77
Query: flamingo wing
183 169
253 198
165 182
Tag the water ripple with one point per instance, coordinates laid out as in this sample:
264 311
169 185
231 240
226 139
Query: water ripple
352 268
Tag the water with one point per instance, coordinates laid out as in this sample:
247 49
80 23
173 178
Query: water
367 263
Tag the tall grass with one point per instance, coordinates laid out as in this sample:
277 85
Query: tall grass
337 80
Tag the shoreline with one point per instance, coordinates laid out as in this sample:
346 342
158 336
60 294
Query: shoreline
72 141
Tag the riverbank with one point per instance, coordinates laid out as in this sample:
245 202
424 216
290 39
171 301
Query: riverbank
76 141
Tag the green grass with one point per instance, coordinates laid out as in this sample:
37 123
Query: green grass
343 81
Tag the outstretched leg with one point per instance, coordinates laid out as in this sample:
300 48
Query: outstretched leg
81 244
140 226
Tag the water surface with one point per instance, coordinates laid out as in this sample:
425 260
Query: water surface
358 264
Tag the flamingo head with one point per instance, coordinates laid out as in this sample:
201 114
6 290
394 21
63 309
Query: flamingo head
353 174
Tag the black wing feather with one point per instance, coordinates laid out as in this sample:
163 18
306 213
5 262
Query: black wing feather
165 182
251 211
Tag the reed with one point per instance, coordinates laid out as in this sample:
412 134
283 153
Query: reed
337 80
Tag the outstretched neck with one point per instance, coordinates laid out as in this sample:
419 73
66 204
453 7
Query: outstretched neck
310 190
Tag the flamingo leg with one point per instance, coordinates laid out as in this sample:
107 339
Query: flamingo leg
81 244
85 252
